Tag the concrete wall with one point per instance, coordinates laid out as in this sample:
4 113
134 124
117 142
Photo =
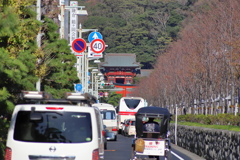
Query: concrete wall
211 144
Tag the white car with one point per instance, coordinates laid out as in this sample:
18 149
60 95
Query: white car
124 125
130 129
55 131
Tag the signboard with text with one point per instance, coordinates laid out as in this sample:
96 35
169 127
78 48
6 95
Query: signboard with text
92 54
154 148
73 22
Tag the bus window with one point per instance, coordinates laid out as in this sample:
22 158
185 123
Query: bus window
132 103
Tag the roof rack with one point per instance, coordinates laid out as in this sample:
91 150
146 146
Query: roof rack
70 98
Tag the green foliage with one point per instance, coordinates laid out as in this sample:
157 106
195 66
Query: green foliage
136 79
4 125
8 23
143 27
114 98
220 119
222 127
57 61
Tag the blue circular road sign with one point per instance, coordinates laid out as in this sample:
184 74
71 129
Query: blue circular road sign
79 45
78 87
94 35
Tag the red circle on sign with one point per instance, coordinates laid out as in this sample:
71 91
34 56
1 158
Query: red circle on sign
79 45
105 94
96 42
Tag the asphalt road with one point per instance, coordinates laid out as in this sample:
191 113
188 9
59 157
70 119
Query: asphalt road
121 150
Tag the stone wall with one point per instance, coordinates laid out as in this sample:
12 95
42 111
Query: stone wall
211 144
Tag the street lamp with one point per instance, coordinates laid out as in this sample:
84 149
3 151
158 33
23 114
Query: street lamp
99 74
97 61
94 71
96 85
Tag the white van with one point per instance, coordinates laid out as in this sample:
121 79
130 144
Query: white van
55 131
109 116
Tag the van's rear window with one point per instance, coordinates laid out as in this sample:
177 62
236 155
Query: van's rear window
53 127
108 114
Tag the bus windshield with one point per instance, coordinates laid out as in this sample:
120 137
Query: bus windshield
132 103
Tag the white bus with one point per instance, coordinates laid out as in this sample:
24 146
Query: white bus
127 108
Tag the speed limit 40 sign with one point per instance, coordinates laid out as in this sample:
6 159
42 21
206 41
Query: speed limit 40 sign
97 45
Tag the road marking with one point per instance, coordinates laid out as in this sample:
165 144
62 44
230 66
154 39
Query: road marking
177 155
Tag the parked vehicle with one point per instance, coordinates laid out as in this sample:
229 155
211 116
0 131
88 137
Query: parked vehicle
130 128
109 117
152 137
124 125
54 129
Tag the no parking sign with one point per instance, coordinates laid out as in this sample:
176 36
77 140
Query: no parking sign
101 94
79 45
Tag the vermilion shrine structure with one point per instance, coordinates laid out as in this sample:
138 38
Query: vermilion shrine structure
120 69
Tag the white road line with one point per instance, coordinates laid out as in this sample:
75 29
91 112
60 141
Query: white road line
177 155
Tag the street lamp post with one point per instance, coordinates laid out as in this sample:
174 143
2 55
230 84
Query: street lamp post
38 7
62 8
94 71
96 85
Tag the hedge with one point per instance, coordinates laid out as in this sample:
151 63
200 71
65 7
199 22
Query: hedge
220 119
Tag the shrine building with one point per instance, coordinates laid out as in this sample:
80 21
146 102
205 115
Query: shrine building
119 68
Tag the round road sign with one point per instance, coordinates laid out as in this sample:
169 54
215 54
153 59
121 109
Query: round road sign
79 45
78 87
101 94
94 35
97 45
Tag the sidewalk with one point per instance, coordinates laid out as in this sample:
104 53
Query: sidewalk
189 154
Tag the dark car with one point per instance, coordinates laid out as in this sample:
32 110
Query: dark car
105 136
109 135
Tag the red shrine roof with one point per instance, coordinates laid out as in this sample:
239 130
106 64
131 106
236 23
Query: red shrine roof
120 60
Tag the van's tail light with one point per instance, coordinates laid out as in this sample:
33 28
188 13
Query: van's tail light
55 108
114 129
8 154
95 154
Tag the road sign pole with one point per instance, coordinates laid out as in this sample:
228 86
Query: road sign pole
82 72
38 84
84 62
96 86
86 72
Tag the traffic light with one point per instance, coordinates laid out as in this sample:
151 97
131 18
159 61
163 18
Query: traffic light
107 84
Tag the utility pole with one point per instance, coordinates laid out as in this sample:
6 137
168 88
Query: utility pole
66 21
62 10
38 9
176 114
